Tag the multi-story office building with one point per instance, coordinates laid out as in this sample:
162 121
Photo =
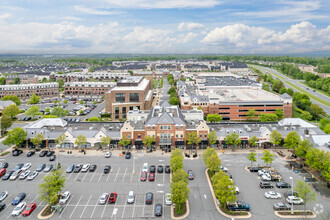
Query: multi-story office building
86 76
87 89
25 91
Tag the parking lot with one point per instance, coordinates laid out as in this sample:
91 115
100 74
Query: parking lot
86 188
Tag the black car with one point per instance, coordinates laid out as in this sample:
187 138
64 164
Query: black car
107 169
160 169
152 169
4 165
17 152
18 166
30 153
43 153
52 158
149 197
70 168
50 153
92 168
265 185
2 206
255 169
158 209
41 167
167 169
281 206
283 185
77 168
7 175
128 155
289 193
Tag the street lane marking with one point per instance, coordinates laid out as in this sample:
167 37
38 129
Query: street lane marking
75 206
86 206
144 206
124 175
66 206
117 175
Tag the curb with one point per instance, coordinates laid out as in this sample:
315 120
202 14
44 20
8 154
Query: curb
295 216
9 150
216 205
45 217
246 168
183 216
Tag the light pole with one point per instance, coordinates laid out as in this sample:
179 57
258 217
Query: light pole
291 178
257 153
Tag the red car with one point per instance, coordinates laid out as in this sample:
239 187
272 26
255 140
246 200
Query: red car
143 176
112 197
152 177
29 209
2 172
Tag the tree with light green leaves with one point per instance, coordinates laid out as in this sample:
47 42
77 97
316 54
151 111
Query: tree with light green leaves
306 116
59 111
37 140
148 140
207 153
212 136
51 187
213 163
292 140
177 153
192 138
252 157
13 98
174 101
105 141
253 141
232 139
213 118
65 101
60 139
305 192
94 119
251 114
180 175
268 157
176 163
11 111
180 194
275 138
6 122
34 99
15 137
124 141
224 188
80 140
279 113
303 147
33 111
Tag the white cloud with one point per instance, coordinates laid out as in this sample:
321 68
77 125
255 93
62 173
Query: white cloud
188 26
95 11
187 38
4 17
72 18
146 35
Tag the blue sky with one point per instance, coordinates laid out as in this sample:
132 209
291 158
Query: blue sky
164 26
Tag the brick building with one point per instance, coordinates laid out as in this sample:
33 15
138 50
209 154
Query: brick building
23 78
25 91
87 89
130 93
103 76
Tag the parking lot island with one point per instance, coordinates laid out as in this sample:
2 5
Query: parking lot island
297 214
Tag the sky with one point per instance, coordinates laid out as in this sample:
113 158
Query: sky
164 26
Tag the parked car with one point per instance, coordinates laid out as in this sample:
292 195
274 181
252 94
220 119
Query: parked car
128 155
167 169
265 185
224 169
289 193
190 175
52 158
18 209
24 174
30 153
283 185
78 168
17 152
85 168
152 169
149 198
143 176
15 175
26 166
107 169
2 206
32 175
152 177
19 198
160 169
168 199
281 206
2 172
65 197
112 197
262 172
108 154
41 167
272 195
18 166
70 168
48 168
29 209
158 209
43 153
7 175
145 167
3 195
294 200
254 169
103 199
3 165
92 168
238 206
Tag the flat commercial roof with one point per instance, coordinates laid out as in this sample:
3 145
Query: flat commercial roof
141 86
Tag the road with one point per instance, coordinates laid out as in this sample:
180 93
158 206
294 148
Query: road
285 79
164 90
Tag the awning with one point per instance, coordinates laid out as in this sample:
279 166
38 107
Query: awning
138 142
167 141
179 143
204 142
114 141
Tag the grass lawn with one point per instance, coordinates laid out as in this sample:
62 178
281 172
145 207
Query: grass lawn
318 90
155 83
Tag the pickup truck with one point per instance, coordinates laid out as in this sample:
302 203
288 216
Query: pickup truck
238 206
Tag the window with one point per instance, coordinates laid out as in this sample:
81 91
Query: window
129 137
176 136
169 127
161 127
205 135
124 112
177 127
153 127
200 135
181 127
117 113
139 136
148 127
134 97
182 135
120 97
131 108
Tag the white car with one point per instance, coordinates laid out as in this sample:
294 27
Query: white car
24 174
294 200
262 172
103 199
85 168
15 175
168 199
266 177
18 209
3 195
32 175
108 154
64 198
130 197
224 169
26 166
272 195
236 189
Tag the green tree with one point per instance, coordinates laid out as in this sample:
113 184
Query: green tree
282 90
11 111
60 83
213 118
292 139
275 138
253 141
13 98
252 157
324 122
192 138
303 147
277 85
80 140
268 157
124 141
290 92
224 188
65 101
2 81
327 129
34 99
171 90
17 80
6 122
212 136
171 81
148 140
180 175
173 94
232 139
37 140
105 141
51 187
306 116
176 163
279 113
15 137
213 163
59 111
33 111
316 111
47 109
252 114
174 101
60 140
305 192
207 153
180 194
55 102
267 117
81 102
177 153
94 119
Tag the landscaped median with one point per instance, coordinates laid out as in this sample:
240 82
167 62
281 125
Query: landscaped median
296 214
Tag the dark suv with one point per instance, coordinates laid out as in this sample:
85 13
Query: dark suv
266 185
152 169
149 197
255 169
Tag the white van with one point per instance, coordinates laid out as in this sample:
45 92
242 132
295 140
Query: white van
145 167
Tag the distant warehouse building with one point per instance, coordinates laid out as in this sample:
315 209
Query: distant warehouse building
25 91
230 97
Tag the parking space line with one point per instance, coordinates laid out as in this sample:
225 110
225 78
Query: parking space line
95 207
163 206
92 177
84 177
86 206
40 205
109 175
124 175
100 178
134 205
66 206
69 176
35 198
131 177
139 179
105 205
144 206
76 206
163 177
117 175
76 177
122 216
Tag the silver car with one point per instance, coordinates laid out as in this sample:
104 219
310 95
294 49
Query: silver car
3 195
24 174
103 199
32 175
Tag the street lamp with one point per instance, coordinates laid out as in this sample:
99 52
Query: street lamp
291 178
257 153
